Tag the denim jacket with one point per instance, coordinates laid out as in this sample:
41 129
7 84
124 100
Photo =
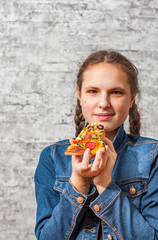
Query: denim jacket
126 210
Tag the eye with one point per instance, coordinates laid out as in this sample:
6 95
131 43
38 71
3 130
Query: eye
117 92
92 91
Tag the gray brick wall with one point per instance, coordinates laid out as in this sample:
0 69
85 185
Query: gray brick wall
41 43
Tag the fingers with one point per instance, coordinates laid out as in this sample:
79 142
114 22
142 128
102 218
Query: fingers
109 144
99 162
111 156
76 159
85 161
83 166
110 149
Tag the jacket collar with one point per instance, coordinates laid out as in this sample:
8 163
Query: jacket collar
120 139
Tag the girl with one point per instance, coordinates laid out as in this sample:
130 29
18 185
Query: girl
116 195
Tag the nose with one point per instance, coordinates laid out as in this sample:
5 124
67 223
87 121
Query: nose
104 101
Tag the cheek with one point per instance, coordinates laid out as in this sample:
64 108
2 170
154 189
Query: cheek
87 107
85 102
122 107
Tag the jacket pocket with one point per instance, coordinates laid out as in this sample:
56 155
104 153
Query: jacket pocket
133 187
60 183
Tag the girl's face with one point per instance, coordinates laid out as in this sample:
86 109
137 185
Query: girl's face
105 96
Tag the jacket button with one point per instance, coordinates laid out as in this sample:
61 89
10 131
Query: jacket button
96 208
80 200
132 190
110 237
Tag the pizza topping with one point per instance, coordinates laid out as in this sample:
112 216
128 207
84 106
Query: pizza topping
81 145
88 135
101 135
90 145
92 137
91 127
83 134
100 126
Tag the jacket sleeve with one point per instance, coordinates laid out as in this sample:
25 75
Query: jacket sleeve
56 213
124 219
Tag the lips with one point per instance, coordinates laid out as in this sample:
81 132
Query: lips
104 116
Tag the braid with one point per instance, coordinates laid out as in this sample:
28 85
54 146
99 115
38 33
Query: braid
134 120
79 119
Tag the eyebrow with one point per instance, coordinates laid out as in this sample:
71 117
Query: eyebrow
118 88
111 89
90 86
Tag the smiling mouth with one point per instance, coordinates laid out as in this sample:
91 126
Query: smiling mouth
104 116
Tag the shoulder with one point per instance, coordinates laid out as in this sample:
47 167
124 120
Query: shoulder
146 146
53 158
137 157
54 151
56 146
138 140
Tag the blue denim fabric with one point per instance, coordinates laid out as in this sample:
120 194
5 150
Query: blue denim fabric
122 214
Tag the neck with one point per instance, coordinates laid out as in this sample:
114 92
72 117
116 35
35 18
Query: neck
111 135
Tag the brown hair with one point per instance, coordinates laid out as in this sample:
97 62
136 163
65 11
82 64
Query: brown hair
118 59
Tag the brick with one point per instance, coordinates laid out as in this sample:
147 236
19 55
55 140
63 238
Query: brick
42 43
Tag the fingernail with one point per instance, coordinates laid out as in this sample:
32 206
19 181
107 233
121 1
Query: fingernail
99 152
87 150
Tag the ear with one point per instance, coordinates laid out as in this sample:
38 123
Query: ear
132 100
79 94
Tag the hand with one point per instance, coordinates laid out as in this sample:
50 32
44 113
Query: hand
103 178
83 171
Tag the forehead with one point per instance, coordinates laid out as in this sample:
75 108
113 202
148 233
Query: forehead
105 73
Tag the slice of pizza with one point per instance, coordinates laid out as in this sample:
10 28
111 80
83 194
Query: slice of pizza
92 137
